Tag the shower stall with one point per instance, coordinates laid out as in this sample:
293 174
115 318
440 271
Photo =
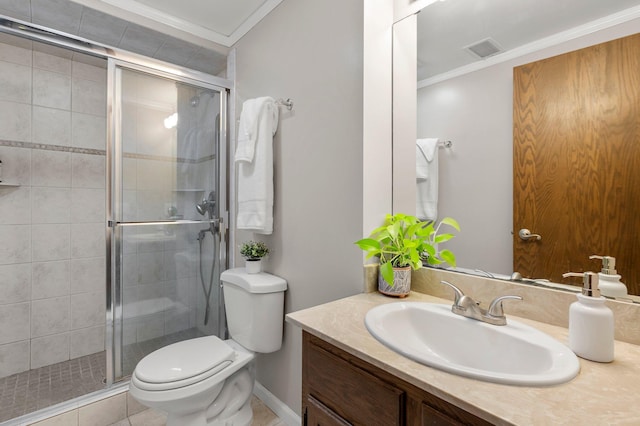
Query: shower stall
112 194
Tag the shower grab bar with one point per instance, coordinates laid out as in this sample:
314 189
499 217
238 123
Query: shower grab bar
112 223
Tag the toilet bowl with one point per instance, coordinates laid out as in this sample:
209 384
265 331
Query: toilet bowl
208 381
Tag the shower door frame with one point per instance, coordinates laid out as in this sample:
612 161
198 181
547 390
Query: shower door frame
114 323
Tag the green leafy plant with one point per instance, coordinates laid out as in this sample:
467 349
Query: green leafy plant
254 250
405 240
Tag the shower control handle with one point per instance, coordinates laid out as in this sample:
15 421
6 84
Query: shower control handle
215 223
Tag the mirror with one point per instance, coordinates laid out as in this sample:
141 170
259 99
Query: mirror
469 101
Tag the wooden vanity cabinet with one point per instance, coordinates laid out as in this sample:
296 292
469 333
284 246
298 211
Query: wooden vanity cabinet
341 389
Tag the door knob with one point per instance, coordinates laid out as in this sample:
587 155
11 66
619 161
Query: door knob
526 235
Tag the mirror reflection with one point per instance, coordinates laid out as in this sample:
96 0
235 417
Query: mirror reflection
469 101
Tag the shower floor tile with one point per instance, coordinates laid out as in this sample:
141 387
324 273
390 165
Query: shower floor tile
42 387
32 390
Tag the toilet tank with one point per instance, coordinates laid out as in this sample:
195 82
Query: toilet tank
254 304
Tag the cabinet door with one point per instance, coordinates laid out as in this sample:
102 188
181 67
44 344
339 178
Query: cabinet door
436 412
433 417
354 394
320 415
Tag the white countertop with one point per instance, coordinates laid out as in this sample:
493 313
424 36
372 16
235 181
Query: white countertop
601 394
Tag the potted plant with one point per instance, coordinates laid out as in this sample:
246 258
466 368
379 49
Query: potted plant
253 252
403 243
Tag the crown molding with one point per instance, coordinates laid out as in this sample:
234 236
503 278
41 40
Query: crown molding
149 13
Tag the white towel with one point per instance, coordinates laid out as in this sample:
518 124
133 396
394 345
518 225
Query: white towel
427 178
255 165
248 129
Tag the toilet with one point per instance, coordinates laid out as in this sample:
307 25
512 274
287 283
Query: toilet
208 381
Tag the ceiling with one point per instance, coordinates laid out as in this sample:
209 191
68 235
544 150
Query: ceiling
195 34
220 21
445 28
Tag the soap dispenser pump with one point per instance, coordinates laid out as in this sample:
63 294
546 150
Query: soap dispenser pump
591 330
610 284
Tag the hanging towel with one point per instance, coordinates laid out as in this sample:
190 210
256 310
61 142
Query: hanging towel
427 178
248 129
254 156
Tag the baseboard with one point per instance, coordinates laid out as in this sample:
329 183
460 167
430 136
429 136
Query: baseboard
286 414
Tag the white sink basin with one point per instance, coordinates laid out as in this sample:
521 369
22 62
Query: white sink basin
431 334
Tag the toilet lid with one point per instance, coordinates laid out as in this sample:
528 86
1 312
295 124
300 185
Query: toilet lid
184 360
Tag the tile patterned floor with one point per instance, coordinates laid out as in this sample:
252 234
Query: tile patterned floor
42 387
262 416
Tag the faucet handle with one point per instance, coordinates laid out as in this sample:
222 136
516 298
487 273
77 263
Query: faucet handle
459 293
495 308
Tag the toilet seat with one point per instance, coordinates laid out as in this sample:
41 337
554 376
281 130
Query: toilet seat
183 363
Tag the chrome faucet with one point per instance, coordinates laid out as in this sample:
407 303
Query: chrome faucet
517 276
467 307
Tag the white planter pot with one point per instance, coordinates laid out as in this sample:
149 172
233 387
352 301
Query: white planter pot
253 266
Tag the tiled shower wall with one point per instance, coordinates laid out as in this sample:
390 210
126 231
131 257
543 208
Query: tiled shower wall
52 234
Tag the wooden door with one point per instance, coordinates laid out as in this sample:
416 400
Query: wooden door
576 177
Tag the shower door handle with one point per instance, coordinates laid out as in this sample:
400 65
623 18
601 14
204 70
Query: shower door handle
221 228
113 223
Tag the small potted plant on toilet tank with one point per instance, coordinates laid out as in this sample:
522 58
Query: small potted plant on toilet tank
404 243
253 252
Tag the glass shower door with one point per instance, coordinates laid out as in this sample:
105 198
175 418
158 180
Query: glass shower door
165 210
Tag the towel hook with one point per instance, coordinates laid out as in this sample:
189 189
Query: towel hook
286 103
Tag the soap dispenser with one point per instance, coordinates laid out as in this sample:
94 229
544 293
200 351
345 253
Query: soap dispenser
590 322
610 284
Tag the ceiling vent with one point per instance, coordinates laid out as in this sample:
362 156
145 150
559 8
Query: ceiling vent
484 48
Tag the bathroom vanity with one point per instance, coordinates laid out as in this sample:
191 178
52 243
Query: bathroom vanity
337 386
348 377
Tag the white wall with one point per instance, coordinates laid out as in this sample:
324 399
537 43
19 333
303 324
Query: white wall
311 52
474 111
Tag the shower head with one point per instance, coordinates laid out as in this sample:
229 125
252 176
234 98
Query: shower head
207 205
202 207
